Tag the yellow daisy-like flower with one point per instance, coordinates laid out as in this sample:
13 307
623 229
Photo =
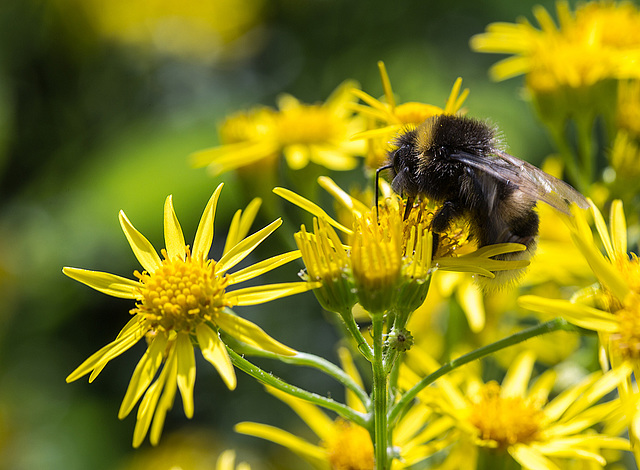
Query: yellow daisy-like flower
344 445
614 310
387 118
598 41
513 420
182 299
390 256
318 133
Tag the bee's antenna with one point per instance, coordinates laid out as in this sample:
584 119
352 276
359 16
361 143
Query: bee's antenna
386 167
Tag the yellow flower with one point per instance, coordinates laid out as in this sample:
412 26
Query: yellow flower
613 310
318 133
182 299
195 29
388 118
598 41
344 445
390 256
513 420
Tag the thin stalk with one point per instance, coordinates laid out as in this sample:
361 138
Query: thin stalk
268 379
380 394
353 328
544 328
304 359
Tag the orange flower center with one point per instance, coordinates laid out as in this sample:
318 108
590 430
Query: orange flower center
349 447
505 420
181 293
627 340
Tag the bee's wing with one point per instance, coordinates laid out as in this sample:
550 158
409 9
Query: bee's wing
526 177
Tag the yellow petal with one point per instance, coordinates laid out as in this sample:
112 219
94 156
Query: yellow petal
204 233
173 236
251 334
241 250
149 403
106 283
241 223
186 372
349 366
471 301
580 315
99 359
608 382
332 158
556 407
310 207
166 400
313 416
231 156
226 461
297 156
296 444
261 294
531 459
601 227
141 247
343 198
516 381
262 267
215 352
143 374
540 390
146 410
618 230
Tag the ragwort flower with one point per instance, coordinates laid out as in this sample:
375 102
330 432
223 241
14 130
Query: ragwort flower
386 117
181 300
613 310
389 257
515 421
598 41
303 133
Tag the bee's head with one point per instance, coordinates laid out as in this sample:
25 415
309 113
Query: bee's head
403 162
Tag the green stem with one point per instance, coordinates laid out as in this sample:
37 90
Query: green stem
584 127
544 328
354 329
268 379
304 359
380 394
568 157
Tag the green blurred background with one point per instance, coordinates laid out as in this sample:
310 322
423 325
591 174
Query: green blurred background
101 102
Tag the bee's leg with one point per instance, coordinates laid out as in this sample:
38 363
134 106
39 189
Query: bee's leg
435 241
442 219
408 207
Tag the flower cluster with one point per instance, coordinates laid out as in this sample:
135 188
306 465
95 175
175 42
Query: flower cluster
406 274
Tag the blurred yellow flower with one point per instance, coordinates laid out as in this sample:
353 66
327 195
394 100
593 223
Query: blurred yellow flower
200 30
513 420
600 40
613 310
318 133
183 299
386 118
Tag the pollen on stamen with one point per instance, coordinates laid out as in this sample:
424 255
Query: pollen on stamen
505 420
349 447
626 341
181 293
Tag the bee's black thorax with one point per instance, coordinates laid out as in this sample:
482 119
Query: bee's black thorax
423 167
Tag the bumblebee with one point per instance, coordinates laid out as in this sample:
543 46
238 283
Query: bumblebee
459 162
